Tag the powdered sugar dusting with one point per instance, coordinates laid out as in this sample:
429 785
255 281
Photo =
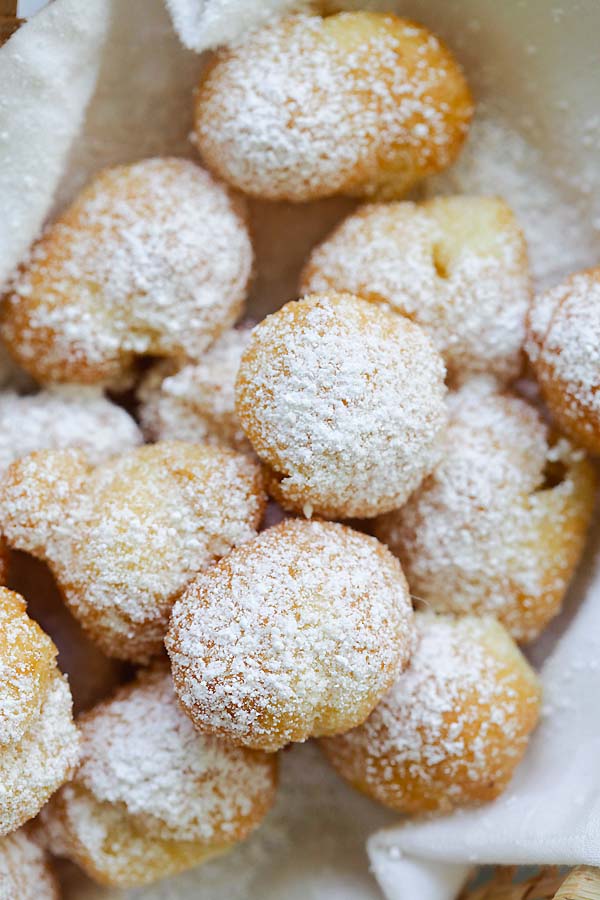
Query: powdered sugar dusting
564 348
484 533
453 726
308 107
344 400
152 795
41 761
456 265
497 159
64 417
26 658
152 258
141 750
38 740
123 539
25 872
197 403
296 634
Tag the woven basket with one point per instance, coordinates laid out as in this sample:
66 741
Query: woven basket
583 883
8 19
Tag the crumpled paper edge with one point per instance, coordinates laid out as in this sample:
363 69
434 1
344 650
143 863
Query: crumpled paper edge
31 164
205 24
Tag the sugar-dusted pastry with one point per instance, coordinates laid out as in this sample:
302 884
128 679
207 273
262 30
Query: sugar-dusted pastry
151 259
456 265
197 403
355 103
124 538
92 675
39 744
299 633
25 872
454 726
343 401
64 417
500 524
563 345
153 796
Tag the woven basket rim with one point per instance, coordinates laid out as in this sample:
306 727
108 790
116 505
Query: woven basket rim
547 883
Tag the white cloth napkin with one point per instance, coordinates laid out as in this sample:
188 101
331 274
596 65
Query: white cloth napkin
207 23
47 74
124 62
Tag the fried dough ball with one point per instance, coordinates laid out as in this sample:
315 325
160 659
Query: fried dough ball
297 634
123 539
150 259
563 345
64 417
344 403
39 745
500 524
455 265
197 403
454 726
152 796
92 675
25 872
356 103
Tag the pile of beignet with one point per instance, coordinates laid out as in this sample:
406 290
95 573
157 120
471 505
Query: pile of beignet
430 516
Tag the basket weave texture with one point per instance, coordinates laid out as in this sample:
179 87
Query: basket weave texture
9 21
582 883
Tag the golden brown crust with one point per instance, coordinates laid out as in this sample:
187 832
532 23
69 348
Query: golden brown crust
153 797
563 347
150 259
297 633
124 539
363 103
500 525
28 658
455 265
343 402
196 403
38 740
454 726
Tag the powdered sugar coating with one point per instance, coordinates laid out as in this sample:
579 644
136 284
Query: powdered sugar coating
38 740
64 417
197 403
564 348
35 766
456 265
307 107
453 727
124 538
152 795
343 400
25 872
298 633
500 524
150 259
27 661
